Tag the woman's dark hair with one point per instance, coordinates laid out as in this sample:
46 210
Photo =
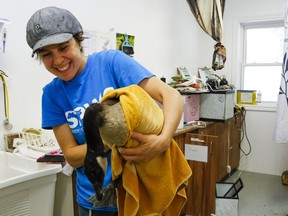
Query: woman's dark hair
79 38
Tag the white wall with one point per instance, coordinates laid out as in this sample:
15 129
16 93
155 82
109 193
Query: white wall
266 156
166 37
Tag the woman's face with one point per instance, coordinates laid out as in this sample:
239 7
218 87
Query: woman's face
64 60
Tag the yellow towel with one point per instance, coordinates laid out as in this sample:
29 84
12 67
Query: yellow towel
154 187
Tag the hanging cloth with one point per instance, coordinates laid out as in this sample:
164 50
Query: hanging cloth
209 15
219 56
281 125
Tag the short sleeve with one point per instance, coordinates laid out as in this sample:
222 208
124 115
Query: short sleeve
52 114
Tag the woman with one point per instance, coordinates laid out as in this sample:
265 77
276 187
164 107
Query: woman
55 36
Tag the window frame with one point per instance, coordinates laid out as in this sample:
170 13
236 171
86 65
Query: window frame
254 24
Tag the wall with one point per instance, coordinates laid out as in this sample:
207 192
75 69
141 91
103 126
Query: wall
266 156
166 37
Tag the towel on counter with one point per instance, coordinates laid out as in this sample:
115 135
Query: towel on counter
154 187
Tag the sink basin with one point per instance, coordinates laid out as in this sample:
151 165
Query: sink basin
26 186
16 168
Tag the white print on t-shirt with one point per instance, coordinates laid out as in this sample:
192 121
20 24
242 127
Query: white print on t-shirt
74 117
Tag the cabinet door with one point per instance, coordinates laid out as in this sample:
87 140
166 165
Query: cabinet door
229 139
235 140
201 188
223 133
228 133
221 130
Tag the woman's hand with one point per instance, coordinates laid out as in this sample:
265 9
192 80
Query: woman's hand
149 146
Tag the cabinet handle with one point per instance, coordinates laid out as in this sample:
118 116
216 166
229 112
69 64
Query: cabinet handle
211 147
196 139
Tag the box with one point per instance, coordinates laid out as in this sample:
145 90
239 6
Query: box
217 105
9 139
227 200
246 97
181 123
191 107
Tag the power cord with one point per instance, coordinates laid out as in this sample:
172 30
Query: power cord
244 131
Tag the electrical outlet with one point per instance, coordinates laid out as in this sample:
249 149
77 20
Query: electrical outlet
228 169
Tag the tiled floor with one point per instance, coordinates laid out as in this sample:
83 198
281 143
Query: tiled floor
262 195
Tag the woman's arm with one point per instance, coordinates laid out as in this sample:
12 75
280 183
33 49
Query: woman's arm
151 145
72 151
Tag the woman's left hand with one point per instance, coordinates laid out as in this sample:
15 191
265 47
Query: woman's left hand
149 146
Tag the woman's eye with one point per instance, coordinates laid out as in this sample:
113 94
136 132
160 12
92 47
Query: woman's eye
45 55
64 48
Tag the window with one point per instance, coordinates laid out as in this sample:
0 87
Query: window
263 51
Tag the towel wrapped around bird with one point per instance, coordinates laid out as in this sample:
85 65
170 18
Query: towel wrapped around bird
153 187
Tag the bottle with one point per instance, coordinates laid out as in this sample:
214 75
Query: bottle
259 95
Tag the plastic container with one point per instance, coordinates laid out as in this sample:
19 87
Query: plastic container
247 97
191 107
259 96
217 105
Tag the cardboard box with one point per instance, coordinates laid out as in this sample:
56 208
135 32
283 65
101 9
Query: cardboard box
227 200
191 107
246 97
217 105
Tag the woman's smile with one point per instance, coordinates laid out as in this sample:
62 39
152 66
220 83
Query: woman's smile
65 67
64 60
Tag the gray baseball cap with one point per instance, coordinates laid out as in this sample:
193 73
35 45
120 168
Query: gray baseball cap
51 25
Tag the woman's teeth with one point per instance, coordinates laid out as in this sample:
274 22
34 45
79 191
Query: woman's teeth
64 68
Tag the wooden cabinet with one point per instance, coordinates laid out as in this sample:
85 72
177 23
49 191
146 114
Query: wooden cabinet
222 141
199 199
229 136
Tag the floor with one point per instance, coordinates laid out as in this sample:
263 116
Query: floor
262 195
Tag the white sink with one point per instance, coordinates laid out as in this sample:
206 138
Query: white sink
16 168
26 186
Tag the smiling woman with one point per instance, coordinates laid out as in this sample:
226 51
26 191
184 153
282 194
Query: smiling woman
55 35
61 52
64 60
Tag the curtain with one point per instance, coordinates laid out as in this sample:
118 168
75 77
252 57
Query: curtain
209 15
281 125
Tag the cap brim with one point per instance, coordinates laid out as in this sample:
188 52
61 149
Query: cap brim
53 39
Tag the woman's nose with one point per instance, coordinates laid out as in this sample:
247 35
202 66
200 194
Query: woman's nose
57 58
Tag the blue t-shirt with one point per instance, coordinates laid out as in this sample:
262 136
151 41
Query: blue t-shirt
66 101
